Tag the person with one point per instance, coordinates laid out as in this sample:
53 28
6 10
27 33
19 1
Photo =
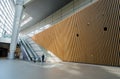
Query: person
43 58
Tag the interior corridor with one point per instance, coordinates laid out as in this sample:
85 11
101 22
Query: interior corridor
59 39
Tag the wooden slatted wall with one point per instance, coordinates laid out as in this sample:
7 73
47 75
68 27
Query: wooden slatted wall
81 37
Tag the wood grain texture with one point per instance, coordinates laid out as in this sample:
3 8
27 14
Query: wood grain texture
81 37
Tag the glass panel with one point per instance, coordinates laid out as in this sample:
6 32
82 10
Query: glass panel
7 10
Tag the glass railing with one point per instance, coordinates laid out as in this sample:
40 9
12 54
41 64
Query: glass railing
7 36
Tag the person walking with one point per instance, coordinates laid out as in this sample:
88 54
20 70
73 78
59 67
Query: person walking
43 58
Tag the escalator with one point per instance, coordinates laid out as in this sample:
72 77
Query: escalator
28 52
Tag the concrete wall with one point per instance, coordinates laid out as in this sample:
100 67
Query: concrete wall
59 15
90 36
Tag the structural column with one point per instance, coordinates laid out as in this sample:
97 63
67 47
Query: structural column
16 27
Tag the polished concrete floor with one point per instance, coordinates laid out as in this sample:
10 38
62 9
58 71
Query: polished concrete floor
16 69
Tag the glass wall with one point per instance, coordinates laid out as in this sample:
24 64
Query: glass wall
7 10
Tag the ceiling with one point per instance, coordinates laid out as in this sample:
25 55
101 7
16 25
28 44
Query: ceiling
40 9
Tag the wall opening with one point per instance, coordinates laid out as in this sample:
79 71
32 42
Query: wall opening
77 35
105 28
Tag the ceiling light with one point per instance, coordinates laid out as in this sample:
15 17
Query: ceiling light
26 21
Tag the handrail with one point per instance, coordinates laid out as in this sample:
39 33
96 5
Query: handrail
22 48
32 51
27 51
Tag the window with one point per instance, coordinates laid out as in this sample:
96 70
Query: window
7 10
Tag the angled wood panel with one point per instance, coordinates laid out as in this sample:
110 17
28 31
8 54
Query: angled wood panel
81 37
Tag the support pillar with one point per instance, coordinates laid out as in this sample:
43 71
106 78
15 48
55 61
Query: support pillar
16 27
